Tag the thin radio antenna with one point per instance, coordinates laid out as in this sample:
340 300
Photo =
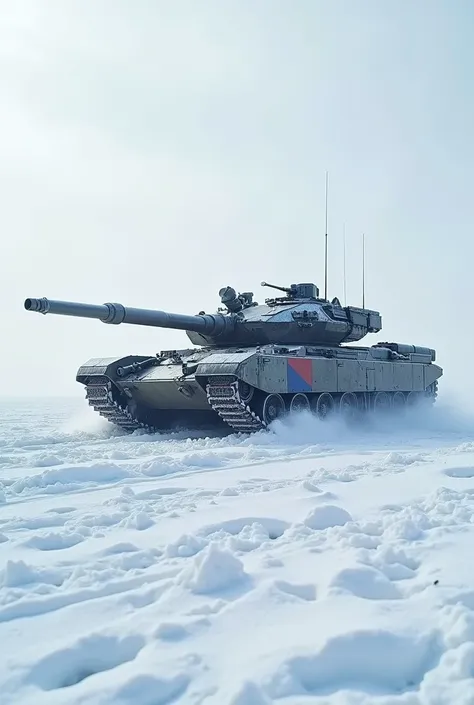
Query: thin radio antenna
326 245
344 258
363 270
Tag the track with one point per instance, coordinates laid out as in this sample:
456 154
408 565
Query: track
223 396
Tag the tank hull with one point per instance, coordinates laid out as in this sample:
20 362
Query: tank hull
245 389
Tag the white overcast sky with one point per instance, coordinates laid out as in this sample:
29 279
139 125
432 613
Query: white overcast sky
152 152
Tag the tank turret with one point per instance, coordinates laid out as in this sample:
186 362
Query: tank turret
299 317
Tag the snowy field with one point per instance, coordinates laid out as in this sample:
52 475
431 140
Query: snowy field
313 564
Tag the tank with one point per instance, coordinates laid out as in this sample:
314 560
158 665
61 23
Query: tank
251 363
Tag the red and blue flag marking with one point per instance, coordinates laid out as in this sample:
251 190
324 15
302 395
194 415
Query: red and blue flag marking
300 374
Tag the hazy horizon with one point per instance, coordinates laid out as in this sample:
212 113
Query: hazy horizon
153 154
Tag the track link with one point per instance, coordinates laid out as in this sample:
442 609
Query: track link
224 398
100 396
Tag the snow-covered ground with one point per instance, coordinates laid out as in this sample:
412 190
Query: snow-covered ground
313 564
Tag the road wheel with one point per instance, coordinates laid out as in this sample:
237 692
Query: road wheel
245 391
413 398
398 401
300 402
324 405
273 408
381 401
348 405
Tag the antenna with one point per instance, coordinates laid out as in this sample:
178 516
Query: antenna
363 270
344 258
326 245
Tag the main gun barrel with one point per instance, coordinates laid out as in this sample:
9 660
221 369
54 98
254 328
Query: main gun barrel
207 324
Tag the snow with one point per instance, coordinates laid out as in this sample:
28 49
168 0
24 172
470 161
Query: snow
315 563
